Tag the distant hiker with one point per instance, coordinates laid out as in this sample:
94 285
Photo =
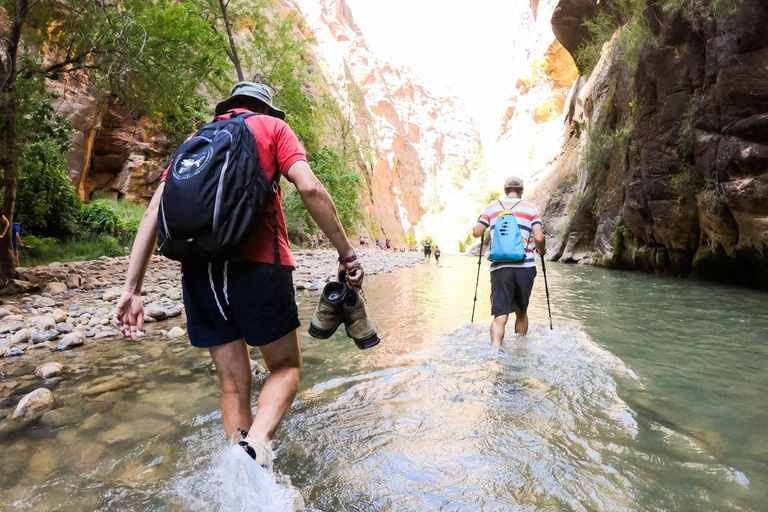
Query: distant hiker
513 265
378 244
361 241
387 243
437 254
246 298
16 240
313 240
428 250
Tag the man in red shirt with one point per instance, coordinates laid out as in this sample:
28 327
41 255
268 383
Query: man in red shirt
247 300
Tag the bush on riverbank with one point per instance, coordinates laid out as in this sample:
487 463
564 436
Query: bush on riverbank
43 250
104 227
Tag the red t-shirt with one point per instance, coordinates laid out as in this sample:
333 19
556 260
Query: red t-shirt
278 149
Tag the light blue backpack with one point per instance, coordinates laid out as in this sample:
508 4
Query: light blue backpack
507 242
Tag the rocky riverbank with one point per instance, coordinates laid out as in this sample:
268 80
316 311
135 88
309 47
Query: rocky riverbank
65 306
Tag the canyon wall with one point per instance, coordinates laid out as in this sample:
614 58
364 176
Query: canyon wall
664 168
409 133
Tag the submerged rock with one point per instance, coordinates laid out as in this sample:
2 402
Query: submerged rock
176 332
111 385
48 370
34 404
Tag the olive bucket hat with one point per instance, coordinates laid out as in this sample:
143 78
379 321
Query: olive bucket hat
254 90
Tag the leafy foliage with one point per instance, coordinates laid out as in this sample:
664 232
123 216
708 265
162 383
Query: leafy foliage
99 218
597 151
713 199
683 183
620 236
634 35
46 203
343 185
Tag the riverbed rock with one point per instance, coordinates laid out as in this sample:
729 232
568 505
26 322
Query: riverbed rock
58 316
6 328
43 322
55 288
16 286
111 385
21 336
73 339
64 327
111 294
43 336
34 404
173 293
43 302
172 310
155 311
73 281
176 332
49 369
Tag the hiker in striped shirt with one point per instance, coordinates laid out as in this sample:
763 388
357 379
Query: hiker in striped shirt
511 283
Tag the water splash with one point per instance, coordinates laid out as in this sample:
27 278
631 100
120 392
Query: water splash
235 483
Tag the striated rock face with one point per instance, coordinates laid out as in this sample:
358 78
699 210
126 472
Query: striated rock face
532 124
686 173
412 132
114 151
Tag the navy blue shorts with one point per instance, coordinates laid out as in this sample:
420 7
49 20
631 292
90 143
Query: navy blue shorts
238 299
511 289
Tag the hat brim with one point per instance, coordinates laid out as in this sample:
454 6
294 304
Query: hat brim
237 101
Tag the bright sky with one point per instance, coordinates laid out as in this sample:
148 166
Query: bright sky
455 47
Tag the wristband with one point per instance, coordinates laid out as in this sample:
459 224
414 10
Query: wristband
348 259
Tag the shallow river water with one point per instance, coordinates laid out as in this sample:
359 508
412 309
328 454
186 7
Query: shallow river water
650 394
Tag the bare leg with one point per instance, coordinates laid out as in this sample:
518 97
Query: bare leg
521 322
233 366
498 326
283 358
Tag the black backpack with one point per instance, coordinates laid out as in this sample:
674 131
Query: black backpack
215 191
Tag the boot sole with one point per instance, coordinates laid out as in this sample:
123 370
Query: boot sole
321 334
369 342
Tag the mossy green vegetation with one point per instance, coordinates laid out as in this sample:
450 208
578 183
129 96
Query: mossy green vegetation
625 16
575 203
685 131
684 183
597 151
621 236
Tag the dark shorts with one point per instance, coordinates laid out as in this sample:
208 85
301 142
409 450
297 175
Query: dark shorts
238 299
511 289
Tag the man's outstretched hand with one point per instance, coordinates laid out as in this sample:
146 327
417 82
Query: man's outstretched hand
129 315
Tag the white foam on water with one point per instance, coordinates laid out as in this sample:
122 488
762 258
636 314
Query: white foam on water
233 482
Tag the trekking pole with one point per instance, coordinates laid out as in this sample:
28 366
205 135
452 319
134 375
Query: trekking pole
477 281
546 287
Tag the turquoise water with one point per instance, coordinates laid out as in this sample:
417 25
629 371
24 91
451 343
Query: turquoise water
650 394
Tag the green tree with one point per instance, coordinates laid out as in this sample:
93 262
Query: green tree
152 55
343 185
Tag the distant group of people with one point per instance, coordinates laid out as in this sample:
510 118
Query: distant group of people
365 242
316 240
428 251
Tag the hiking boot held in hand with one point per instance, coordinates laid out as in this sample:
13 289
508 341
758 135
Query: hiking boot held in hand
328 315
359 327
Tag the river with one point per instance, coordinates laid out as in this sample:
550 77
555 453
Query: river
650 394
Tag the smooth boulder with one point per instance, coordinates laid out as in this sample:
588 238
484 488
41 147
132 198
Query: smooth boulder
49 369
55 288
34 404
